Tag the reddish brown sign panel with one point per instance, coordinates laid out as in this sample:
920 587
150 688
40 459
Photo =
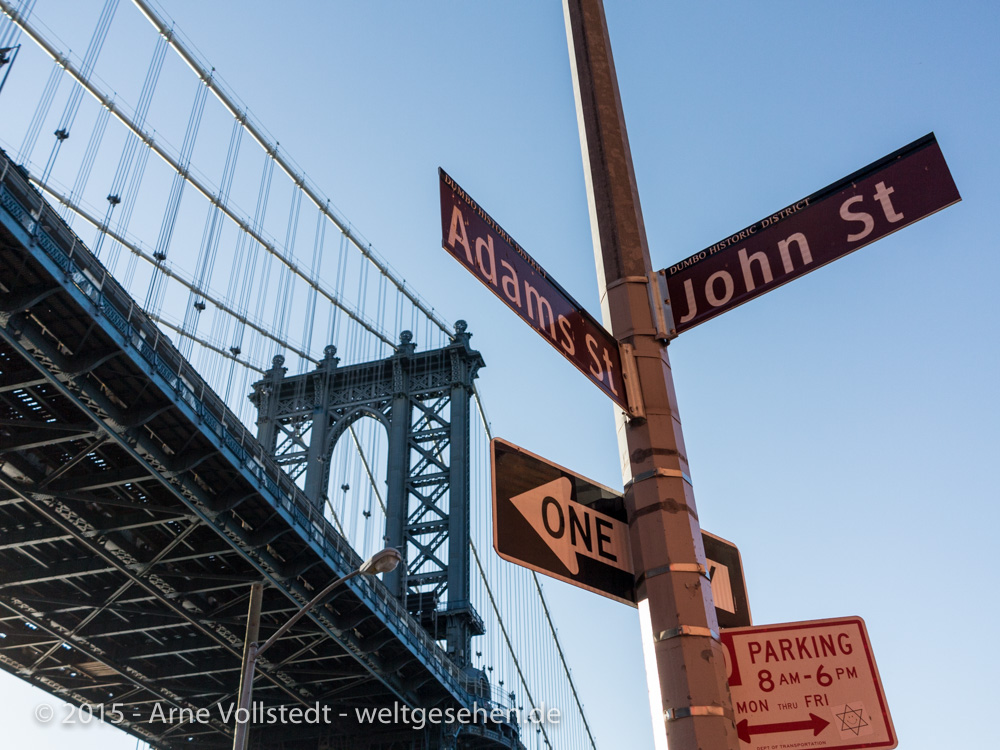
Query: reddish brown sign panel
476 241
558 523
895 191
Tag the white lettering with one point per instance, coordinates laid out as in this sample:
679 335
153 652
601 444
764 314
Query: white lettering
509 283
786 258
568 345
543 307
456 233
727 284
611 377
865 218
761 259
691 303
882 194
490 275
596 370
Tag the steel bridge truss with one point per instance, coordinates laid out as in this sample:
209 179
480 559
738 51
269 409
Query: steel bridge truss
135 510
423 401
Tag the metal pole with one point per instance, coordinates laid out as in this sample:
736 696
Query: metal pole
304 611
251 651
668 556
249 660
384 561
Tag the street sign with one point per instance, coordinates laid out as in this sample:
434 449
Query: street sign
556 522
559 523
807 684
885 196
496 259
729 588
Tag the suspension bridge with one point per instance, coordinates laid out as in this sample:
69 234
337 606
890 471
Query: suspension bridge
210 378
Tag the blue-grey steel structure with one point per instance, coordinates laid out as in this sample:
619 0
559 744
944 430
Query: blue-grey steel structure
423 400
135 509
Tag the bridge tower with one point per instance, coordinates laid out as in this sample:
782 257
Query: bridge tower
423 400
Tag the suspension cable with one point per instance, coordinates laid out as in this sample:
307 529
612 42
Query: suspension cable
562 657
157 285
166 271
208 345
541 596
506 637
368 470
72 107
363 246
116 111
87 164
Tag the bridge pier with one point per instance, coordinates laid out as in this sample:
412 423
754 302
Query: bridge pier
423 400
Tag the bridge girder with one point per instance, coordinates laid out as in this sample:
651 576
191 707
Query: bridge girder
106 594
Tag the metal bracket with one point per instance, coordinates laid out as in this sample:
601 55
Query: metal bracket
630 374
677 568
658 472
659 302
663 315
686 630
672 714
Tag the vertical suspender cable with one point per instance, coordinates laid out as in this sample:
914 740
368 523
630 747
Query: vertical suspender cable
73 103
128 157
157 284
41 112
217 201
250 257
314 269
210 237
87 164
322 203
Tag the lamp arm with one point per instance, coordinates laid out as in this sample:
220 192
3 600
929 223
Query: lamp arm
302 613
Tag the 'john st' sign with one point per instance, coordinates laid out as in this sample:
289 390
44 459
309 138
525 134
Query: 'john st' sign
494 257
895 191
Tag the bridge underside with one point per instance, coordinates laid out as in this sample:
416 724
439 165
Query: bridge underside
135 511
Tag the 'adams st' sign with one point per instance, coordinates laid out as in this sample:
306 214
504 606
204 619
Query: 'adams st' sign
885 196
496 259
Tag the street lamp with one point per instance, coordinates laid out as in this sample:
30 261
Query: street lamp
380 562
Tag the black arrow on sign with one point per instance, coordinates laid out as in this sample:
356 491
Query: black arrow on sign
815 723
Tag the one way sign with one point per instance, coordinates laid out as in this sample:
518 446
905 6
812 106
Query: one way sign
556 522
571 529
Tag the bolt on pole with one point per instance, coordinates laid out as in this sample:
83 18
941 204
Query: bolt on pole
668 557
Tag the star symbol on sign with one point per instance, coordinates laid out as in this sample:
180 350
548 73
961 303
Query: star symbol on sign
851 720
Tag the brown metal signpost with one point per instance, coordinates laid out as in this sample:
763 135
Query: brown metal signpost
680 628
543 520
676 606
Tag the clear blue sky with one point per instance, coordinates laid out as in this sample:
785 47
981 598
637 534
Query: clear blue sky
842 430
